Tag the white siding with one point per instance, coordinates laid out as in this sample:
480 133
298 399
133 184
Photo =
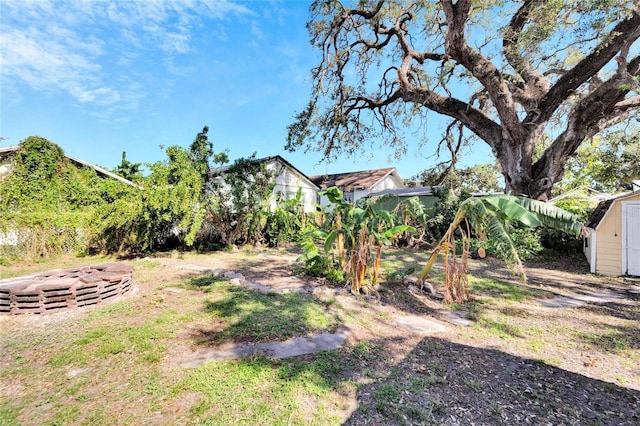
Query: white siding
288 182
390 181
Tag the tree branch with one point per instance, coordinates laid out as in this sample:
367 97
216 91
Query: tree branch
594 112
605 51
481 68
471 117
627 104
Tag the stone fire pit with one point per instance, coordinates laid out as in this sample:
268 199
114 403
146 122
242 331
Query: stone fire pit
64 289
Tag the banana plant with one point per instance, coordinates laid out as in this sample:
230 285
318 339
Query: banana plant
356 232
488 216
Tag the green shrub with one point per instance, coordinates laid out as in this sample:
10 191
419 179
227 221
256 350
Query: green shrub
49 203
526 241
562 242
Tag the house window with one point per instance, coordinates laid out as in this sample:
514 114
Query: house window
291 195
348 197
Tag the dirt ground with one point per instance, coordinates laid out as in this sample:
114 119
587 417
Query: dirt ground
563 348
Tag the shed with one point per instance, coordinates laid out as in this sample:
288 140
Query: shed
612 246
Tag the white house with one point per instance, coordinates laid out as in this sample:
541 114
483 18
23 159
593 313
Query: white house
288 181
356 185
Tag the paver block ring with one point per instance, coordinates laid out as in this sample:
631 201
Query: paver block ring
64 289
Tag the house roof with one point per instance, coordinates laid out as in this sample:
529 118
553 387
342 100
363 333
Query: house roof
98 169
219 170
353 180
603 207
291 166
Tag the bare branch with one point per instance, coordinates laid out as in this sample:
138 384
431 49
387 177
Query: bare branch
367 14
627 104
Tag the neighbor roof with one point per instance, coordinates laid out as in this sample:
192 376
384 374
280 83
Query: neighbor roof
583 192
291 166
353 180
603 207
98 169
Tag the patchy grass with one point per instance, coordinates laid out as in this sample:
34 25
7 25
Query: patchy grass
499 289
92 365
257 317
262 391
517 362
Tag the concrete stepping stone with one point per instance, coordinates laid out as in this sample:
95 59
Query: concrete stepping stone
290 348
634 289
575 300
419 325
456 317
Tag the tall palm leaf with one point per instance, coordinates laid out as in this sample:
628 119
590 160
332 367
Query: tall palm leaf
489 217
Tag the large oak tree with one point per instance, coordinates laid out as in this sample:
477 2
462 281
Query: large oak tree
516 74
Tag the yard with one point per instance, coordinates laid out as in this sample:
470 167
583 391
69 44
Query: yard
563 348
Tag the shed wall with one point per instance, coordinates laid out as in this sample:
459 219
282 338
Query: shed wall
609 250
609 240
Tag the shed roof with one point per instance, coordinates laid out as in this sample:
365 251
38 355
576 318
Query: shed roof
353 180
583 192
603 207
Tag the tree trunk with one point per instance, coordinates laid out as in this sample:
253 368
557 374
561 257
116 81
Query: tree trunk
479 253
522 175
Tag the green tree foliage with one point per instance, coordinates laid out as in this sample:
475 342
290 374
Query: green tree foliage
504 73
48 203
167 209
607 164
239 204
127 169
476 178
202 152
288 222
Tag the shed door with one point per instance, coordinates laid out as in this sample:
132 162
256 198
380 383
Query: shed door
632 218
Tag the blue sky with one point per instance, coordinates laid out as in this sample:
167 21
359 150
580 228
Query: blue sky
102 77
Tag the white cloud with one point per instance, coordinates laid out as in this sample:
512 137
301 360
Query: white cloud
256 31
174 42
91 49
43 63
